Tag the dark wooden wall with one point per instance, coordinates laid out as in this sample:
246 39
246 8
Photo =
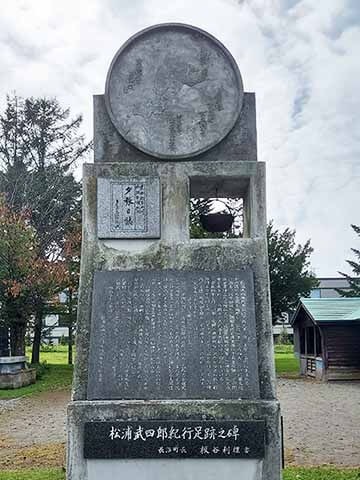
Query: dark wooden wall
342 351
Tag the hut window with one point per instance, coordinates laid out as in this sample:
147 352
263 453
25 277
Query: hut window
302 340
310 346
318 342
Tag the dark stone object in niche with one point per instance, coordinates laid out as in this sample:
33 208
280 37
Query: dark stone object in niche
217 222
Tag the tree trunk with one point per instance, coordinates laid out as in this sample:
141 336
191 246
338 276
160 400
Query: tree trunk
17 339
35 357
70 348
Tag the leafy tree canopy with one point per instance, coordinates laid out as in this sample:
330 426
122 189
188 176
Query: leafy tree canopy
289 268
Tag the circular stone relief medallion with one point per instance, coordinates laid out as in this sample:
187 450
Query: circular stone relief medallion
173 91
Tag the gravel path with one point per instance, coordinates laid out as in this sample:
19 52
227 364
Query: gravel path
321 423
33 430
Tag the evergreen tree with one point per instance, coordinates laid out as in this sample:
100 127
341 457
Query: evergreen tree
354 282
39 145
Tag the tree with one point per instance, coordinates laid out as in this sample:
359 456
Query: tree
289 268
39 145
354 282
71 259
17 255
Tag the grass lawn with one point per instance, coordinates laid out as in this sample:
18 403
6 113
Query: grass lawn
292 473
52 355
320 473
33 474
285 363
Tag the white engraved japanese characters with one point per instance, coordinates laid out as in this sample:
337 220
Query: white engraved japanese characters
150 328
173 91
129 207
174 439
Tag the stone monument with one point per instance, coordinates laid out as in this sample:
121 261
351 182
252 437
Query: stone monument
14 370
174 373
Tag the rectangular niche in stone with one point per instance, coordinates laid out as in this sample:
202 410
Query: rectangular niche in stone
129 207
173 334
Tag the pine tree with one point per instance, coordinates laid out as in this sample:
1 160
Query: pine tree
39 145
354 281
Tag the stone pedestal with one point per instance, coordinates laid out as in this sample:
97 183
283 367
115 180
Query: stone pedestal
81 412
14 372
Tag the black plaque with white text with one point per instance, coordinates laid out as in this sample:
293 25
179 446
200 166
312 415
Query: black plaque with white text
173 334
174 439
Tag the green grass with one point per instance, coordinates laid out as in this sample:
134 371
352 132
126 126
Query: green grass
55 377
55 355
286 364
33 474
284 348
291 473
320 473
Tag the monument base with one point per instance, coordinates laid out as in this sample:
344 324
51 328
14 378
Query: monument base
81 412
18 379
14 372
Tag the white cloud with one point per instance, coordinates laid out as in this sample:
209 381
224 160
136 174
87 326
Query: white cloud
300 57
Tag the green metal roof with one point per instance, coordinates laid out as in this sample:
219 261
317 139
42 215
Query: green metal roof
331 309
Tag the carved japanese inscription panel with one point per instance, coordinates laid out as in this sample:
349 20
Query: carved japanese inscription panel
173 91
174 439
129 207
173 334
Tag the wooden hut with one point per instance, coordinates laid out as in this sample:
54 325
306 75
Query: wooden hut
327 337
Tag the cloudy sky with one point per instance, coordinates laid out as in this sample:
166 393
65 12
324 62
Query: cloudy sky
301 57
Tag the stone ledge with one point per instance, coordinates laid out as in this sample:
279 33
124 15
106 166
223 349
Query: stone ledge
13 359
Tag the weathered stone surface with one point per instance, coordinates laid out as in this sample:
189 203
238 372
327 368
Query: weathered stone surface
128 207
173 334
240 145
173 91
179 469
18 379
12 364
176 250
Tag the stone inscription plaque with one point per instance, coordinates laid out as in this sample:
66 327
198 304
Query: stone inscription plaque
173 91
173 334
129 207
174 439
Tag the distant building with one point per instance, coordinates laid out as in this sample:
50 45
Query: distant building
327 337
55 328
327 287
